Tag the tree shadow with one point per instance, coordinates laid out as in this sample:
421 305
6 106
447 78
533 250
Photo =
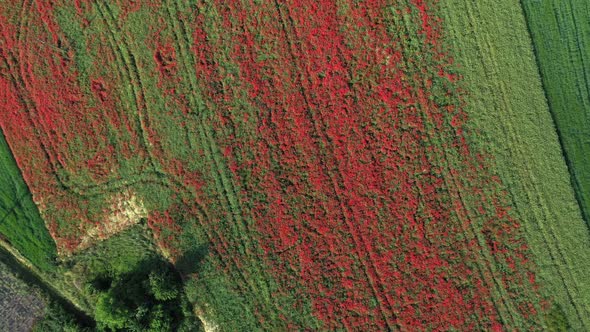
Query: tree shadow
190 261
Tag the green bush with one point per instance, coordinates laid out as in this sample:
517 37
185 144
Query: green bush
147 299
57 319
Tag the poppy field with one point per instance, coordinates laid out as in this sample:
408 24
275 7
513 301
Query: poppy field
304 165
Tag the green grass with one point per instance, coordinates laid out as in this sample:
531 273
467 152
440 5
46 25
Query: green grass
20 222
561 36
118 254
510 121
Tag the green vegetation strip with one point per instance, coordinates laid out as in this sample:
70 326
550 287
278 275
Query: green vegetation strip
561 36
510 120
20 222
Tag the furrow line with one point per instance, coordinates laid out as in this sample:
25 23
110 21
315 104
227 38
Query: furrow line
337 182
513 136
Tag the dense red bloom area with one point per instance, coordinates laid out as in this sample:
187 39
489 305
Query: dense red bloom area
353 183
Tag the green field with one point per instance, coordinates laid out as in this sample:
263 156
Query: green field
510 120
561 36
20 222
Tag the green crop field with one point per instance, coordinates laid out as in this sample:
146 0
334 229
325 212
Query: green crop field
20 222
561 36
510 120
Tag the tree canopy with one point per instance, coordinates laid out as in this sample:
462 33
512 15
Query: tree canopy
147 299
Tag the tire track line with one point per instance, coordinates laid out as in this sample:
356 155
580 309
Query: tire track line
225 187
530 192
466 231
337 182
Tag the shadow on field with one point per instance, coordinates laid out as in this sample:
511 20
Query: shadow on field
190 261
